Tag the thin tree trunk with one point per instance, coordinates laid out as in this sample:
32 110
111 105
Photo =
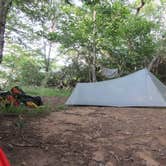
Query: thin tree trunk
89 74
47 55
88 60
4 8
94 48
152 62
48 58
140 7
93 67
52 29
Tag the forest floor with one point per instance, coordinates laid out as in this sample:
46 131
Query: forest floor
87 136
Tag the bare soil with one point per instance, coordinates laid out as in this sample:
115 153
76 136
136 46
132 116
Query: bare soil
86 136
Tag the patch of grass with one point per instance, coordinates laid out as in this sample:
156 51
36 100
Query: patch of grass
61 107
42 110
41 91
13 110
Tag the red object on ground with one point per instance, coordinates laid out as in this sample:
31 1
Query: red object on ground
3 159
12 100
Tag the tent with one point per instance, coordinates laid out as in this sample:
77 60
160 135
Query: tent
139 89
109 73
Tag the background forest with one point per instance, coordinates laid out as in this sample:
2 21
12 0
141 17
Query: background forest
59 43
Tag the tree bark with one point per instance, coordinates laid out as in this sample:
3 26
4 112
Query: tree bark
140 7
48 58
4 8
152 62
47 48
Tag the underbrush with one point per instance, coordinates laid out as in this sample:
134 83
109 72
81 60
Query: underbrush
41 110
13 110
61 107
41 91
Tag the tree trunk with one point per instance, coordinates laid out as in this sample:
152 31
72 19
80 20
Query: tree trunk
48 58
94 48
88 61
89 73
140 7
93 67
152 62
4 8
47 54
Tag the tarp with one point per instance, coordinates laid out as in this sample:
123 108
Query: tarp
109 73
140 89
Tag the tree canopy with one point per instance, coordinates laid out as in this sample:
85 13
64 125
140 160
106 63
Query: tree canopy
84 38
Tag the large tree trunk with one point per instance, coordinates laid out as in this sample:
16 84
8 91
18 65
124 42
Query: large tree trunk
4 8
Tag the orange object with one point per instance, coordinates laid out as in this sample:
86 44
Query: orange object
3 159
31 104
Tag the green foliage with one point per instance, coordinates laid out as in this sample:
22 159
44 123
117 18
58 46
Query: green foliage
41 91
30 73
137 46
122 39
61 107
13 110
23 68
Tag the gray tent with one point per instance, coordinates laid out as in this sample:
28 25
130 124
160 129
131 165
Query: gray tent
141 89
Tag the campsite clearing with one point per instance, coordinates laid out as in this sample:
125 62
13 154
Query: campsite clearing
87 136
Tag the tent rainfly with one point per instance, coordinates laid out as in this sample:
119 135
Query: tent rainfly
139 89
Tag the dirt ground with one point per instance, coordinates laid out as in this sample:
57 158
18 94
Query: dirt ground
86 136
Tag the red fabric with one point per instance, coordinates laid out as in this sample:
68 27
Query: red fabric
16 91
13 101
3 159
